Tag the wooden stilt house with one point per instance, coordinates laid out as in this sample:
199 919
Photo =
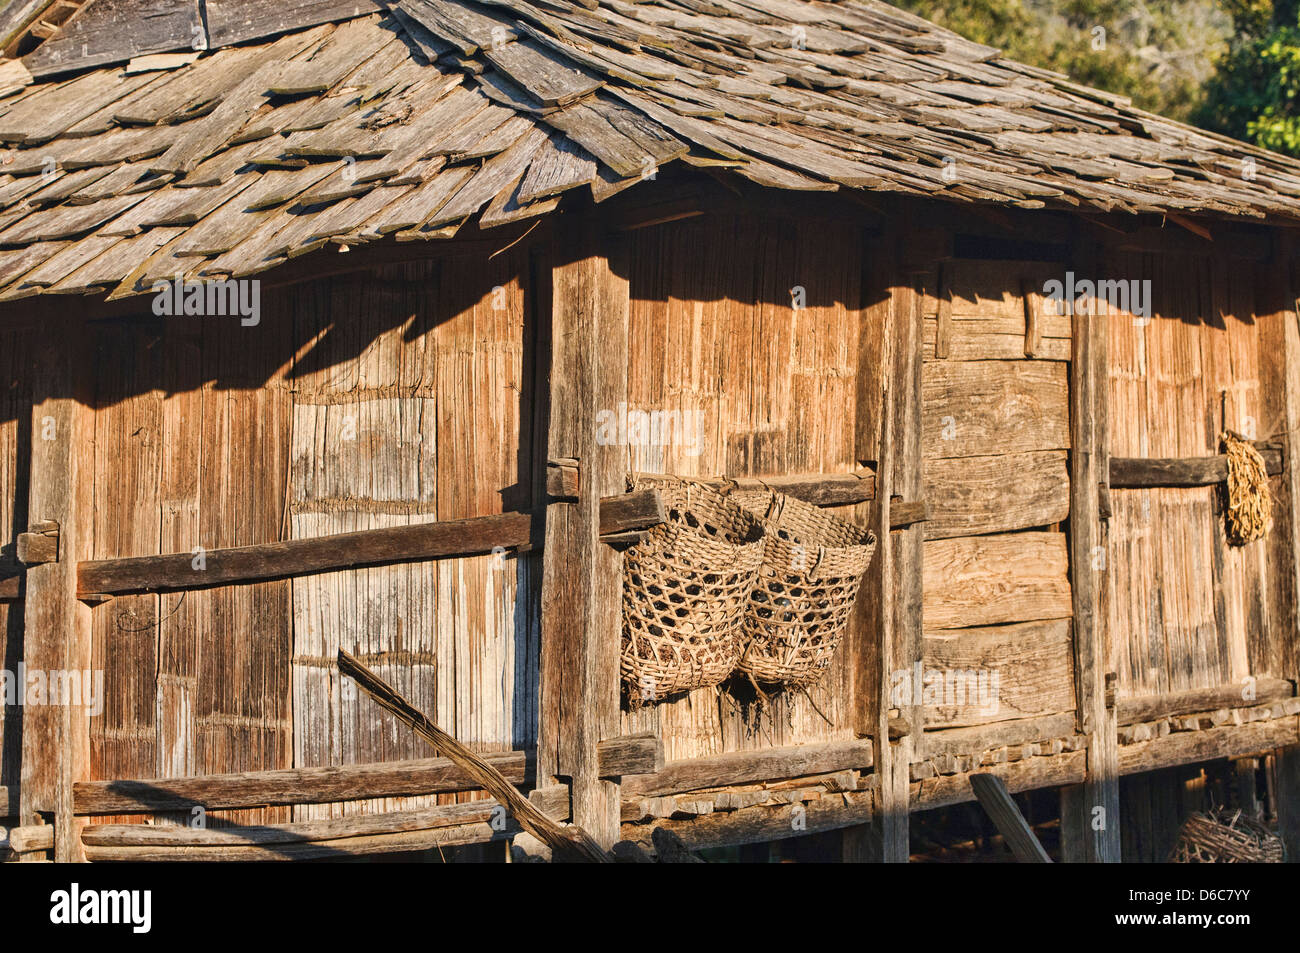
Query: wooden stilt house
311 316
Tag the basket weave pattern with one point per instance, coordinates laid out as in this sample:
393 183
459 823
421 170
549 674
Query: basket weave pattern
685 588
813 563
1219 837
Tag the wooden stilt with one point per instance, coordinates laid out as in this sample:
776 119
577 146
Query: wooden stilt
56 636
1286 786
1090 817
581 583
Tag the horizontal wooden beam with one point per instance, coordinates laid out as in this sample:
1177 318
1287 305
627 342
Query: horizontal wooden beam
11 587
1029 774
555 803
821 489
1190 747
745 767
756 825
339 783
31 839
428 838
904 514
979 738
1137 472
475 536
1263 691
629 512
296 557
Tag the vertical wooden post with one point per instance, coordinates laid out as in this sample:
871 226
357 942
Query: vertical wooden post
1090 814
895 582
581 580
1279 347
872 620
56 626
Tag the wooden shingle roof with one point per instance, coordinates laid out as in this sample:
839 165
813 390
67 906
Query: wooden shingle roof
412 120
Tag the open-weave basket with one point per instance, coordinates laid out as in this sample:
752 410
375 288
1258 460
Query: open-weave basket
1223 837
813 563
685 587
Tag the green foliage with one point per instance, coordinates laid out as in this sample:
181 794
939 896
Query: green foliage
1256 94
1160 53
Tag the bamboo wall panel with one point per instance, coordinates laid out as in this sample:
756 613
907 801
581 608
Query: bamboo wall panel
413 414
1185 609
714 332
191 453
15 427
127 434
357 402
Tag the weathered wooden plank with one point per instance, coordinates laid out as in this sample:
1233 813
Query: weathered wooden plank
978 738
1026 775
295 557
745 767
109 32
581 581
1094 827
821 489
1133 472
993 494
987 580
333 849
552 79
756 825
553 801
996 800
987 674
1244 694
943 330
57 630
906 422
620 513
1228 741
236 21
974 408
327 784
31 839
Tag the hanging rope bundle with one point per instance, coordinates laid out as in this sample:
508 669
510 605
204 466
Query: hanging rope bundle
1250 504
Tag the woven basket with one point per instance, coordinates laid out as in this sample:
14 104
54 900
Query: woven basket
812 566
1222 837
685 587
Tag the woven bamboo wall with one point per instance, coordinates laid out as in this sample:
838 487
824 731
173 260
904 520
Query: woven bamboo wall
1186 609
359 401
713 330
995 445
